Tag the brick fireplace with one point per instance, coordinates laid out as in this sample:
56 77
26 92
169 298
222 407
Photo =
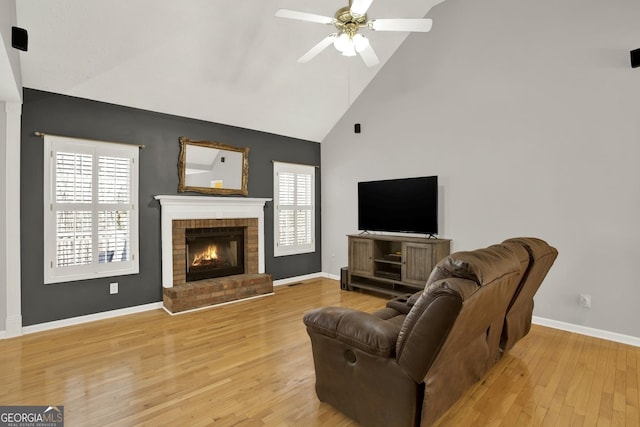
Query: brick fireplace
212 251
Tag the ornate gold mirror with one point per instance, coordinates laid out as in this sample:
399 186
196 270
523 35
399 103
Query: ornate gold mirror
212 167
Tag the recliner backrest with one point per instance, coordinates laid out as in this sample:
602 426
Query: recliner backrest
436 311
427 325
450 338
481 265
520 310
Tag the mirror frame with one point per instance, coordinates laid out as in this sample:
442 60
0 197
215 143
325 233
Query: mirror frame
182 187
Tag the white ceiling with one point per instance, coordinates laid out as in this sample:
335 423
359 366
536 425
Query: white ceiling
223 61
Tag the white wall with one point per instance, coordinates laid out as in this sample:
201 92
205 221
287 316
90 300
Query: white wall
10 76
528 112
10 101
3 221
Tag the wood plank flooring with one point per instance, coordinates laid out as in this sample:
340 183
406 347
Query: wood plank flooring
250 364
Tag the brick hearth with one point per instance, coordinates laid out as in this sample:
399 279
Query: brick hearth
203 293
191 295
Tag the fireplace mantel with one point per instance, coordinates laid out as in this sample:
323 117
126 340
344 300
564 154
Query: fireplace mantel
205 207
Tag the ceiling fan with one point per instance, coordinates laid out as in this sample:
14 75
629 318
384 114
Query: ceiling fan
349 20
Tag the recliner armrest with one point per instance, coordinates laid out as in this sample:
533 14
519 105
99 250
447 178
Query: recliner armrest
404 303
355 328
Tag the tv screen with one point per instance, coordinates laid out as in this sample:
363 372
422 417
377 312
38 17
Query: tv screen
408 205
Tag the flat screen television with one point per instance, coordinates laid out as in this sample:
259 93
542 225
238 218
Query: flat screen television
408 205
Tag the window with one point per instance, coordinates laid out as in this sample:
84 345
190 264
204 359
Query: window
294 216
90 209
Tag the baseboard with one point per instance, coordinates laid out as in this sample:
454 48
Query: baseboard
290 280
13 327
332 276
90 318
584 330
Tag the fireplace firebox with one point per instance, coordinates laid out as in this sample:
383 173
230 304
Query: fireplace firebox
214 252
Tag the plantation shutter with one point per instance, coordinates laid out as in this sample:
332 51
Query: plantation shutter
114 216
294 209
74 192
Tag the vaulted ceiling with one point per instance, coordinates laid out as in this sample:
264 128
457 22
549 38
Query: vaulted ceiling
223 61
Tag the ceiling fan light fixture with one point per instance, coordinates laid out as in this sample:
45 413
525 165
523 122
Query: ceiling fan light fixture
360 42
349 51
342 42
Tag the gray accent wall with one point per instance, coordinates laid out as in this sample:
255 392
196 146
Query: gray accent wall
68 116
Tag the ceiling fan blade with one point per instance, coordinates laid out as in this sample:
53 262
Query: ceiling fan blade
369 56
360 7
303 16
324 43
420 25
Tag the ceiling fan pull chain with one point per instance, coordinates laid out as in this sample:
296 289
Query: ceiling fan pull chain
349 82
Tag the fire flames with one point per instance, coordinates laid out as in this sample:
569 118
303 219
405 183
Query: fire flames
207 256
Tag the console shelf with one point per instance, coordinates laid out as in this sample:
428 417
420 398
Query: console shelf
393 265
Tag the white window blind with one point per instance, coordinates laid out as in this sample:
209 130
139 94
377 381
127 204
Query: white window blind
294 216
90 209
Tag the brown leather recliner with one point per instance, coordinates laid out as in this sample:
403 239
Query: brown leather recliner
407 363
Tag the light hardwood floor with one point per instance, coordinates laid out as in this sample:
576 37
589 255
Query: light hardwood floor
250 364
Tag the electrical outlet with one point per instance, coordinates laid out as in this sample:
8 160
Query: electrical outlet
585 300
113 288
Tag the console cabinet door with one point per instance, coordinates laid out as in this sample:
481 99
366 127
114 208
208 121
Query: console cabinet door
417 263
361 256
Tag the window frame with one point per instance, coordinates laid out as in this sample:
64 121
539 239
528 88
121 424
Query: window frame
96 269
296 169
